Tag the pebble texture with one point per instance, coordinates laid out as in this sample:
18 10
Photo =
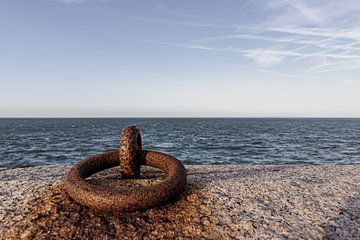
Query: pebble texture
220 202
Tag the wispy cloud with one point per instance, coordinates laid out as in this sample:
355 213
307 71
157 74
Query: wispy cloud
294 12
193 46
308 12
351 33
190 23
265 57
244 5
310 34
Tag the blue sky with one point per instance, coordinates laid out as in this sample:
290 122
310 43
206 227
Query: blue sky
245 58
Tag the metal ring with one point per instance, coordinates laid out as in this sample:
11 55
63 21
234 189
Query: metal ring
130 148
130 199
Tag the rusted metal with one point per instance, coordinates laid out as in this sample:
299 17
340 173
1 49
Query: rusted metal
131 199
130 150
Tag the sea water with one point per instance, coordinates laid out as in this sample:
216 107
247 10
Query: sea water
31 142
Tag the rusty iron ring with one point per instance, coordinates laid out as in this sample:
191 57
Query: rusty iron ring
130 199
130 149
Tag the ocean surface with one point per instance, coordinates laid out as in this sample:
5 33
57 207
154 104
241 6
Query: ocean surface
31 142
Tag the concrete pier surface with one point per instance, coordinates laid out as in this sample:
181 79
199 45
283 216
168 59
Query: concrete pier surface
220 202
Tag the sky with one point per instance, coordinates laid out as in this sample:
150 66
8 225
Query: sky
204 58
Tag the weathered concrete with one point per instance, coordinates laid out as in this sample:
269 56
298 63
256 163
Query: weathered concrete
221 202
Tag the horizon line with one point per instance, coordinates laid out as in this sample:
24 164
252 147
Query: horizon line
176 117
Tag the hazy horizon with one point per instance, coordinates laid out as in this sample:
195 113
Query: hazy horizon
108 58
163 117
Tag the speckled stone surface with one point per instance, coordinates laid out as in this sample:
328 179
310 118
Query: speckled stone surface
220 202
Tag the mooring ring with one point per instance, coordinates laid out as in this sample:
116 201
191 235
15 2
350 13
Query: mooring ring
130 199
129 151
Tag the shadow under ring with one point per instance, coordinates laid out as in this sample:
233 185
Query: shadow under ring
130 199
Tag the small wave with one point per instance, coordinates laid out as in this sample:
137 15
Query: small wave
165 145
214 141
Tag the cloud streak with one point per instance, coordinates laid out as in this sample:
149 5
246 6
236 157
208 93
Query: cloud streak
190 23
304 33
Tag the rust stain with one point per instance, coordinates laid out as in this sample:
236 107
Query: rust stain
57 216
